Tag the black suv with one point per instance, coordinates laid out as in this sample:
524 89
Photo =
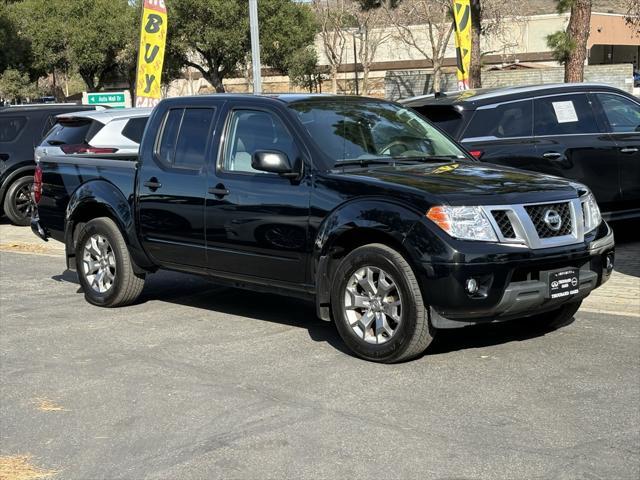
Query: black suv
21 129
585 132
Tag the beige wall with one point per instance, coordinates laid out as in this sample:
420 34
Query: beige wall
525 35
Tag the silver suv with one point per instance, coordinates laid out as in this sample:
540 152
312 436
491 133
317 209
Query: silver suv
95 132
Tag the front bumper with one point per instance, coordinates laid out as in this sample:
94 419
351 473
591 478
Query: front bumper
513 287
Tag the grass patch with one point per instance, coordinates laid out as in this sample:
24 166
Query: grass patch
18 467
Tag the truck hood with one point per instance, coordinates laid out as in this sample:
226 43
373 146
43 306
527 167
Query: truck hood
488 184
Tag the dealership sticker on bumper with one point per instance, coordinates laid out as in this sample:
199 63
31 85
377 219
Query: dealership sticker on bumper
563 283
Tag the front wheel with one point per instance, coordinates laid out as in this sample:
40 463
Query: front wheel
18 203
104 266
378 307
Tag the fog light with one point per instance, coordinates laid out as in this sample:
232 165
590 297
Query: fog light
471 285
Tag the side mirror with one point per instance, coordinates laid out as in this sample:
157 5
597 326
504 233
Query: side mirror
272 161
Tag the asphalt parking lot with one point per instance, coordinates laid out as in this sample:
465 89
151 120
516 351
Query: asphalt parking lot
198 381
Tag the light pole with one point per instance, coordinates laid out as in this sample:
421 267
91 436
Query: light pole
255 46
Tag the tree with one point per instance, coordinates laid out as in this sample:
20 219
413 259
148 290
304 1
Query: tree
97 31
333 20
86 35
632 16
15 51
304 71
489 18
371 24
570 46
16 86
432 19
215 34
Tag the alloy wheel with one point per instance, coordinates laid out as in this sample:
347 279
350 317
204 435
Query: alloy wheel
23 201
99 263
372 305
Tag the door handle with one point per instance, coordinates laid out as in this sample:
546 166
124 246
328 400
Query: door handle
152 184
219 191
629 150
552 155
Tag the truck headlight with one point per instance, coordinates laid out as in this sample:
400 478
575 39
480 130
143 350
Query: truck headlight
466 223
591 212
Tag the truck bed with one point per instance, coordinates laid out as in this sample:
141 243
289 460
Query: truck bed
66 176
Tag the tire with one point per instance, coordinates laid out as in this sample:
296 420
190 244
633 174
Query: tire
104 266
18 202
405 330
559 317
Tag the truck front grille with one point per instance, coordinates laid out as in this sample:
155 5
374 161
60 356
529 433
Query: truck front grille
538 225
504 223
539 213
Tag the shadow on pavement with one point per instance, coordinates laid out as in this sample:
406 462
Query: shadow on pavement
627 236
488 335
194 291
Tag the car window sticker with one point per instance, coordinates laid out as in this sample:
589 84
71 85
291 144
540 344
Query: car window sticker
565 111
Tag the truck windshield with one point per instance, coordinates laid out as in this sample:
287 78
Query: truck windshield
362 130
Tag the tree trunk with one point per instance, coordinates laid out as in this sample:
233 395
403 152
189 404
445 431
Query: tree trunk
437 70
365 80
475 70
89 80
334 79
215 79
578 31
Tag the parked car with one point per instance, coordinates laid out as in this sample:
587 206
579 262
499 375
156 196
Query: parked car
21 129
358 203
585 132
98 132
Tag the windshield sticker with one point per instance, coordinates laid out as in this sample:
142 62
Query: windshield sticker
565 111
446 168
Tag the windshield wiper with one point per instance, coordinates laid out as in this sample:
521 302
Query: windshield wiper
363 162
432 158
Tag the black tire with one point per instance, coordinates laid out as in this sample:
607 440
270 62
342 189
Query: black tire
559 317
18 202
412 334
126 285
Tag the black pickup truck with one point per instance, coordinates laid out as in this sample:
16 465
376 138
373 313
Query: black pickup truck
359 204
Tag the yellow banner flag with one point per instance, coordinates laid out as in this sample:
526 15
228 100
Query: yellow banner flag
153 37
462 21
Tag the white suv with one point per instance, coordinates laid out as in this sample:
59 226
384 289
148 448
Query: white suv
95 132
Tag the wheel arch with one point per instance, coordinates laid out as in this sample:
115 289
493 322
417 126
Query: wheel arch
351 226
100 198
19 172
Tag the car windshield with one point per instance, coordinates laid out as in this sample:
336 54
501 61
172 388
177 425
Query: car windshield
349 131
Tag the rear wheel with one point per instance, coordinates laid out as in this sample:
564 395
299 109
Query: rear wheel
377 305
18 203
104 266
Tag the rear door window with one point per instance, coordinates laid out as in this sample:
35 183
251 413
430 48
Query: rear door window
134 128
505 120
184 137
564 115
10 128
622 114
